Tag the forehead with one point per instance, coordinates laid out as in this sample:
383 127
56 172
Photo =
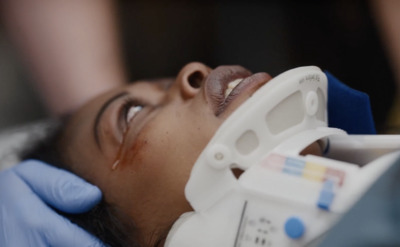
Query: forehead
141 88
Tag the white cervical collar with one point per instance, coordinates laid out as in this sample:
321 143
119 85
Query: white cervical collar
282 198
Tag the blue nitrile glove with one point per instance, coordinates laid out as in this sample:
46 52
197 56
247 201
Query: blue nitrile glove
26 190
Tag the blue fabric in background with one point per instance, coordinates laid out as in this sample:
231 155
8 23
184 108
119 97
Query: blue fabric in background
348 109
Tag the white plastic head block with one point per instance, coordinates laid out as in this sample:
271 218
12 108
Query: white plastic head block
282 198
277 111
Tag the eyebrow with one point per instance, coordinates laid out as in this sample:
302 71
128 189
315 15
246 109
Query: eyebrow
100 114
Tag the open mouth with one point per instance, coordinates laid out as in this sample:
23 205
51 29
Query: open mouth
231 86
226 83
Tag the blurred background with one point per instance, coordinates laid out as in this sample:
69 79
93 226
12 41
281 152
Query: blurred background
159 37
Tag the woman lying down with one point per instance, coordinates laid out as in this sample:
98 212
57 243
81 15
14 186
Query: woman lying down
138 144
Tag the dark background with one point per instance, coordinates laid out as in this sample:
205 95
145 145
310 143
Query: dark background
159 37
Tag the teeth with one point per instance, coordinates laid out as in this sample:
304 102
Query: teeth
231 86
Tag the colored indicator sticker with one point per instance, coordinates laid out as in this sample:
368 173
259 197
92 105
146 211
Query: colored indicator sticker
294 166
335 175
314 172
274 162
307 170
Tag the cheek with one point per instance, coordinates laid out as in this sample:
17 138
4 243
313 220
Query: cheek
176 140
152 181
158 166
166 151
164 158
156 188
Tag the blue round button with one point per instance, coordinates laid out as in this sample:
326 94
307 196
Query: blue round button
294 227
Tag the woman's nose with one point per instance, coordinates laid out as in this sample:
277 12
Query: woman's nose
191 78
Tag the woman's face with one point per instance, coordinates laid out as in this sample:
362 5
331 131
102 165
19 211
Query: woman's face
139 143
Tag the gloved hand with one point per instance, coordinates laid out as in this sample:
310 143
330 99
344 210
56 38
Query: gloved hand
25 217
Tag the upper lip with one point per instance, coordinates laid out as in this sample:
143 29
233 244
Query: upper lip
218 80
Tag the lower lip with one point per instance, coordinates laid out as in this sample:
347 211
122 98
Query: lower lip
248 86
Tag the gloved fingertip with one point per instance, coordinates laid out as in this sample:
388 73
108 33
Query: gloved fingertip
93 197
98 244
60 188
30 162
77 196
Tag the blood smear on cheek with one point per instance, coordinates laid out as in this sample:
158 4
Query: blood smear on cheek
128 150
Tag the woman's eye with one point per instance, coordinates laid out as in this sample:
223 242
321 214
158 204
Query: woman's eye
133 110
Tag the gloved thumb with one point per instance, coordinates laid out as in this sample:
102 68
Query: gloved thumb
59 188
